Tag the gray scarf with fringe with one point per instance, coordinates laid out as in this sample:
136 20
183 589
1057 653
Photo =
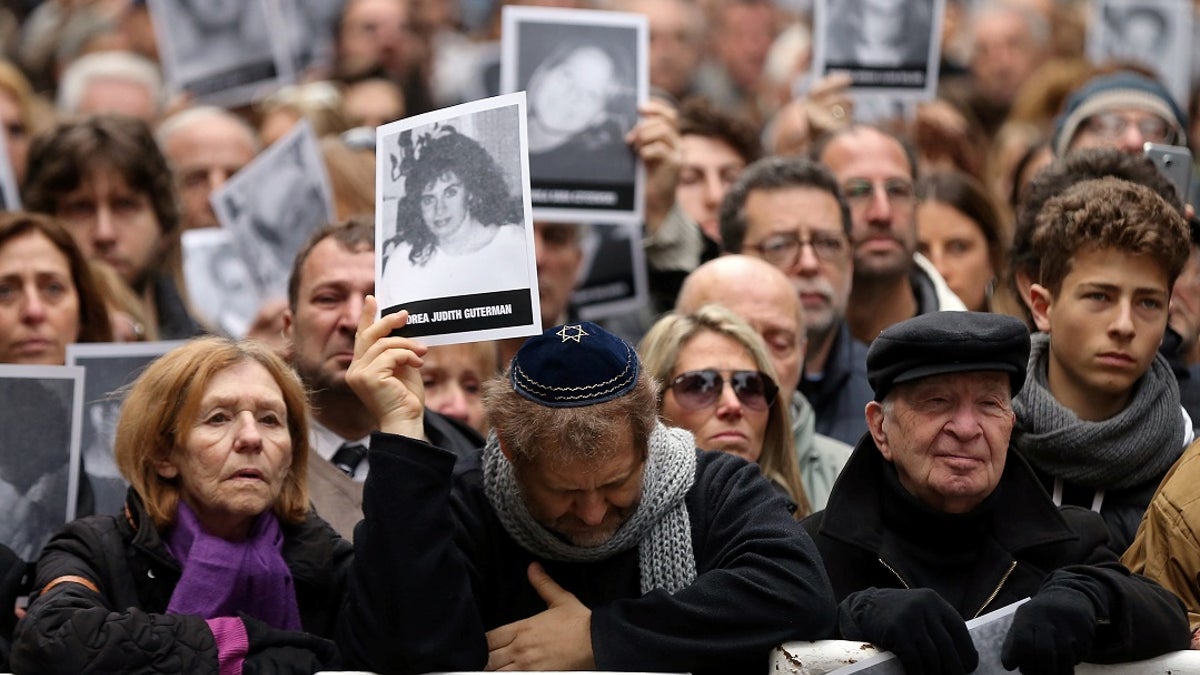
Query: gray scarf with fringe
659 527
1130 448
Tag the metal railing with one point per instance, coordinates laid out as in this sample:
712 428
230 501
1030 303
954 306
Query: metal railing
824 656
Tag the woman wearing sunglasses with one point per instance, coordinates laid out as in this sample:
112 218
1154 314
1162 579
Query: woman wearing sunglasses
717 382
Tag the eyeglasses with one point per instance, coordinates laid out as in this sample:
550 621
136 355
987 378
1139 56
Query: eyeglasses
1112 125
859 192
699 389
783 250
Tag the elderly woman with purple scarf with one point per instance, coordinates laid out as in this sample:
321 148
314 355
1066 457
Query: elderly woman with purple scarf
217 564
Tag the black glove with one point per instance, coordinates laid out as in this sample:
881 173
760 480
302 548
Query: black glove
917 625
1050 633
273 651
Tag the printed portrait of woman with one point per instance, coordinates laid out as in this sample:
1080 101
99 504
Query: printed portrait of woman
582 102
459 228
879 33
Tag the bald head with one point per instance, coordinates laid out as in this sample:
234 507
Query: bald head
762 295
205 145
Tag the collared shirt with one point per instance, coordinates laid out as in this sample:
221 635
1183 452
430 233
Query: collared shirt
326 443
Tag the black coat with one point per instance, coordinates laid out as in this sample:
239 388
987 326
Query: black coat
759 582
874 534
124 628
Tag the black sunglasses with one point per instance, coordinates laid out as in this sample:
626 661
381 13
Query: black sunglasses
698 389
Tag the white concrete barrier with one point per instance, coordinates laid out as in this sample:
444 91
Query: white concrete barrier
817 658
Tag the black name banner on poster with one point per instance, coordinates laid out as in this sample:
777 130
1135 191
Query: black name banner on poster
579 195
248 74
907 77
463 313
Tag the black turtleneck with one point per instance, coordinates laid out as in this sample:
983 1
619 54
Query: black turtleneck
941 549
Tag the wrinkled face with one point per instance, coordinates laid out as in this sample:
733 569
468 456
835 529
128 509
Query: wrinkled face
1105 325
558 256
709 166
957 248
585 502
112 222
444 206
728 424
947 435
203 155
454 377
876 178
39 306
236 452
1185 301
570 96
821 274
333 283
16 135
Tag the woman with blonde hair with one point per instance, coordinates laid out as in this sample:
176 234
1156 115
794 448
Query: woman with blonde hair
693 356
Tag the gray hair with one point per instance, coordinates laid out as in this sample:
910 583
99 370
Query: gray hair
116 65
200 113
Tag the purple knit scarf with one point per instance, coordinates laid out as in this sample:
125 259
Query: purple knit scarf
221 578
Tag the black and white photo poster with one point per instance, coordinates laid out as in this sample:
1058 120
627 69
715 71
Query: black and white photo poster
39 453
584 74
10 195
273 204
224 52
886 46
612 278
454 228
1155 34
108 370
220 286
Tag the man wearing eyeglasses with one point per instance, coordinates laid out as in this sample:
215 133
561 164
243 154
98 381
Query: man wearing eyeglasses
892 282
1123 110
936 520
788 211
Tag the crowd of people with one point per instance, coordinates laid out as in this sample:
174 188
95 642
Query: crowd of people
891 375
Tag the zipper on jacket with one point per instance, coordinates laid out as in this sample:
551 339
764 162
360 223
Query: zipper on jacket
893 571
996 590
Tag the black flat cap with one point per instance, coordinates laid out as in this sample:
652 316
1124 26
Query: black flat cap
574 365
948 342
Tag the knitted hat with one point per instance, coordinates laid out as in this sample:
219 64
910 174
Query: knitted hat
1107 92
574 365
938 343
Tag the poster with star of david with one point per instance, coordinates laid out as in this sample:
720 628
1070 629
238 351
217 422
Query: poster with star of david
454 226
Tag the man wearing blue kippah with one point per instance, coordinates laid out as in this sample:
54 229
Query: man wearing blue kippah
587 536
934 521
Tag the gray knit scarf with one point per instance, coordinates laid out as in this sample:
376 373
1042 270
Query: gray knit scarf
1136 445
660 525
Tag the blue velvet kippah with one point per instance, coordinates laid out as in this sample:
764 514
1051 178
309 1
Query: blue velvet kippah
576 364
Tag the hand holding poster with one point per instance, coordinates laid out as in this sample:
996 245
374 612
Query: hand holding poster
453 225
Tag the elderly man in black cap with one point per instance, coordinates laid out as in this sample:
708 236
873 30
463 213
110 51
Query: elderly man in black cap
934 521
587 536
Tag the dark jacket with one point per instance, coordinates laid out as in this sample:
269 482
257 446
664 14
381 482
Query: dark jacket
72 629
874 534
759 582
838 398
